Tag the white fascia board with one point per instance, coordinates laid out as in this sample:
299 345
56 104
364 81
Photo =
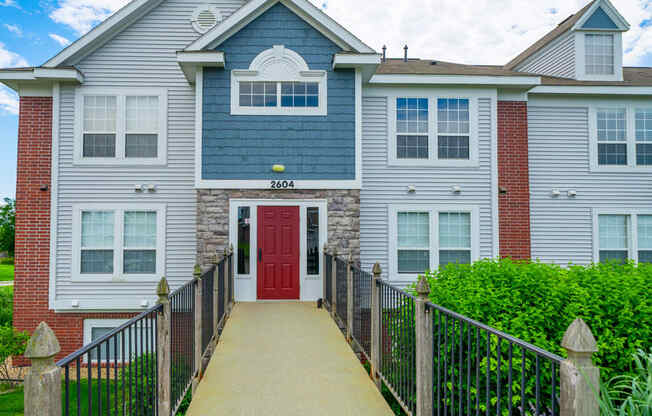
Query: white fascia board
455 80
41 76
254 8
191 61
59 74
611 11
350 60
591 89
111 25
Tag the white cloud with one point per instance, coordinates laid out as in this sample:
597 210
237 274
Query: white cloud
59 39
82 15
15 29
8 101
10 59
474 32
9 3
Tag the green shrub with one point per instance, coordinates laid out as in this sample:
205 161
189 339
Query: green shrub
6 305
536 302
7 261
629 395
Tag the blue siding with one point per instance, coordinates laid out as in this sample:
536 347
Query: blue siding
310 147
599 20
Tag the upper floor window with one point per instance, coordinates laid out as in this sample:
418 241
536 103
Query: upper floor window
278 82
621 137
121 126
445 136
111 241
599 54
622 236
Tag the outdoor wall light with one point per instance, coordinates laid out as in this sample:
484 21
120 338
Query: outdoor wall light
75 303
278 168
411 189
456 189
572 193
144 303
555 192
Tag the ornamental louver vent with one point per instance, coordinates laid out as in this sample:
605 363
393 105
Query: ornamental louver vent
205 18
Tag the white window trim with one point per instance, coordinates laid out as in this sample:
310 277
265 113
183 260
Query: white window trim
277 65
89 324
121 94
433 134
630 135
433 211
580 56
243 280
118 275
632 232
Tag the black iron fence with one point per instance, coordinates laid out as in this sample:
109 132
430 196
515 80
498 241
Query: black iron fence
361 332
207 312
341 292
221 284
328 280
480 370
115 374
182 341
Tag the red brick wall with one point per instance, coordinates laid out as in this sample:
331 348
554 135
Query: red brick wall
513 180
33 230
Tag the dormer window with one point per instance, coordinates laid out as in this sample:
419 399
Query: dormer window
278 82
599 49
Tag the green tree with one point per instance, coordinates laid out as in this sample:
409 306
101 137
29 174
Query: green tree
8 225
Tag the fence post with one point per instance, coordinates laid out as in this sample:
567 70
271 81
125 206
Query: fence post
226 283
375 325
231 277
579 377
324 275
163 347
198 351
424 349
42 396
349 297
334 284
216 290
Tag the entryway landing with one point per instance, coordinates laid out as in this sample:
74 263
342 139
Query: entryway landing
285 358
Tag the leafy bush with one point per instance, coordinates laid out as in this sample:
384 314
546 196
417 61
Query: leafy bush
536 302
629 395
8 261
8 225
6 305
12 343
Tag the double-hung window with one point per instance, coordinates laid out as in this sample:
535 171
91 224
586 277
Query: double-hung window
118 241
437 131
118 126
426 237
621 137
623 235
599 54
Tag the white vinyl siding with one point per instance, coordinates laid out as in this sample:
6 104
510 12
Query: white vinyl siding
556 59
141 56
384 185
559 159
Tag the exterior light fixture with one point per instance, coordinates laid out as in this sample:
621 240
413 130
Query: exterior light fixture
278 168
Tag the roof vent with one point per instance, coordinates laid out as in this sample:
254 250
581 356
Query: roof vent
205 18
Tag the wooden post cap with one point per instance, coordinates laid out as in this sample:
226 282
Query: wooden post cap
578 339
423 288
163 289
42 344
376 270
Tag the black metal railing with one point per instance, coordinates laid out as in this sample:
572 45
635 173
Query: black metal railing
207 312
221 276
361 331
182 340
328 280
480 370
115 374
397 350
341 287
229 274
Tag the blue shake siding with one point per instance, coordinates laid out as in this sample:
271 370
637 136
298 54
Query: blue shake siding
310 147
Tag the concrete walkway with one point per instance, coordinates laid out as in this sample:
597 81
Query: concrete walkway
285 359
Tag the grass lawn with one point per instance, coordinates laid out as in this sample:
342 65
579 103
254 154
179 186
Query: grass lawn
6 272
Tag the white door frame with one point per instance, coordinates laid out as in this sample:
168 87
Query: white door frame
311 286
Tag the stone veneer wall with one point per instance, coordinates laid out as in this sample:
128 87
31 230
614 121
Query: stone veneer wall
213 217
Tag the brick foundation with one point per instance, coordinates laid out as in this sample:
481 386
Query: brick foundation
513 180
32 276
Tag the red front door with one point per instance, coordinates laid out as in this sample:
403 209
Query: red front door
278 252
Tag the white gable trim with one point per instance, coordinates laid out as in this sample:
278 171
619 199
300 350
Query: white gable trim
104 31
306 10
611 11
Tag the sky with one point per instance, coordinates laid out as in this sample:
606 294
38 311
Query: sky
465 31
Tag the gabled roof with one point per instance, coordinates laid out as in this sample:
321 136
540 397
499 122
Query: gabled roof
101 33
303 8
573 22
